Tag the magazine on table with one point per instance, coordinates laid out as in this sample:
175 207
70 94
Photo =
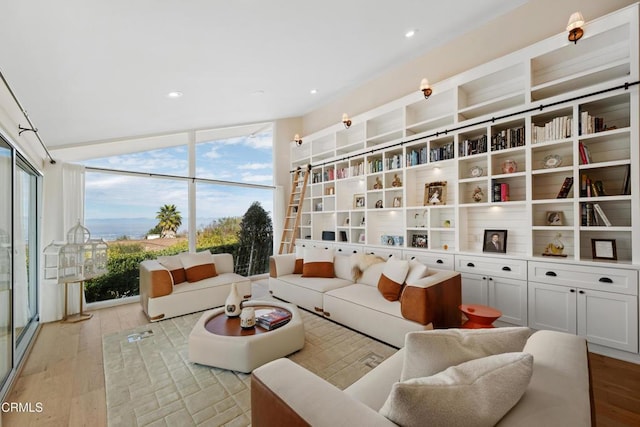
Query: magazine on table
271 318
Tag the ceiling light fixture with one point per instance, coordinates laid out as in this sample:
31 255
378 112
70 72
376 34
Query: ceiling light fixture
576 21
313 91
346 121
410 33
425 87
174 94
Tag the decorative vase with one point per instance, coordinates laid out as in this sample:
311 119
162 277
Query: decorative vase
233 302
247 318
509 166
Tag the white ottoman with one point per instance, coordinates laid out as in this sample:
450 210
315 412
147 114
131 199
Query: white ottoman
244 350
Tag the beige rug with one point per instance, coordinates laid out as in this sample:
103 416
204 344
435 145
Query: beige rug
150 382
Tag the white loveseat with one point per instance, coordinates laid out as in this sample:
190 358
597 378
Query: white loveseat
557 394
185 283
427 302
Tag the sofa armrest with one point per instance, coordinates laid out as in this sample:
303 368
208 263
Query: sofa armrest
282 264
155 279
286 394
434 299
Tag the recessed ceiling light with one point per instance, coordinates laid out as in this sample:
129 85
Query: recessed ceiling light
257 92
313 91
410 33
174 94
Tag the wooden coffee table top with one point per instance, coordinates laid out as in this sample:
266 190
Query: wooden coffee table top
221 324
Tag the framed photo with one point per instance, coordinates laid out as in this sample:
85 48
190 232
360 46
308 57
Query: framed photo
435 193
604 249
419 241
379 204
358 201
346 222
361 238
495 241
397 202
554 218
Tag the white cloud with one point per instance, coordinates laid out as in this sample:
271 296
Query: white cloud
249 177
255 166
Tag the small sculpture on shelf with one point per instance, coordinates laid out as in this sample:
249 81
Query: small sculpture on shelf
378 184
396 181
477 194
555 248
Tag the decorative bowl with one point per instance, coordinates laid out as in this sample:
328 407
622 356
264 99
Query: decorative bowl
476 171
552 161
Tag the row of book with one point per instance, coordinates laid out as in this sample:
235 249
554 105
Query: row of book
591 124
591 188
469 147
444 152
417 157
593 215
585 155
508 138
558 128
499 191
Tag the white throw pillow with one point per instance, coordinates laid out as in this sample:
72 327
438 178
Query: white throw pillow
318 262
429 352
475 393
417 271
342 266
175 267
392 278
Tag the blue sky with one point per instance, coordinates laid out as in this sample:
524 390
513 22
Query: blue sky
245 159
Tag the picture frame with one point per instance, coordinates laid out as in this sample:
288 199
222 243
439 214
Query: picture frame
358 201
554 218
379 204
362 238
419 241
435 193
604 249
397 202
495 241
346 222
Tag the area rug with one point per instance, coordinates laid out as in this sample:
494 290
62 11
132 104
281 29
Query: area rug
150 381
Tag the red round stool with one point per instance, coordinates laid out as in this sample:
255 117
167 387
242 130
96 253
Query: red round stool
480 316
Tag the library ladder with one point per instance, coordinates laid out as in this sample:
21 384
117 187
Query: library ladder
294 209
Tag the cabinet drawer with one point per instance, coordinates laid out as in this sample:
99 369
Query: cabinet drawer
382 252
434 260
586 277
347 249
497 267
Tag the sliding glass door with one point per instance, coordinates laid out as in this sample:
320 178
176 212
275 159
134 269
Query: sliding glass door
6 341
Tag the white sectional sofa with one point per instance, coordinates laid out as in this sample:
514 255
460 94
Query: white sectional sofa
185 283
427 302
556 393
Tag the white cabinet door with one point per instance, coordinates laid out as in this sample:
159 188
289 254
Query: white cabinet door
474 289
510 297
552 307
608 319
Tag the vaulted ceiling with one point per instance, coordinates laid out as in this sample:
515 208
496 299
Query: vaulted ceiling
94 70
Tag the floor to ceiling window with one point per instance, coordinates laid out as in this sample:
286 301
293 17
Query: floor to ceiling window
19 259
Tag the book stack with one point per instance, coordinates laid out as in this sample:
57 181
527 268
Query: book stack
590 124
272 318
585 156
507 138
417 157
469 147
499 191
591 188
558 128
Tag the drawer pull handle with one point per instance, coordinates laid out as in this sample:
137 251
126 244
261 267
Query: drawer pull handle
605 280
572 290
470 264
581 292
355 252
506 268
339 249
550 273
412 258
440 261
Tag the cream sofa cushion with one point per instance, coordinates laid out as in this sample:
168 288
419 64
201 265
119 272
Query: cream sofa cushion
198 266
318 262
392 278
475 393
417 271
430 352
175 267
372 274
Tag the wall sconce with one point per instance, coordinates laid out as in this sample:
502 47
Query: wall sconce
425 88
297 139
575 22
346 121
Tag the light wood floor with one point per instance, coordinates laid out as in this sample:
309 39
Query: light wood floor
65 373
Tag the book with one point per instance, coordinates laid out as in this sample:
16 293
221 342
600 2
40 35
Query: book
504 192
566 187
272 318
495 191
600 212
625 183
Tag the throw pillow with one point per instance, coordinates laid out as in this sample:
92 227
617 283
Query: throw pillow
430 352
297 269
417 271
392 278
475 393
198 266
318 262
175 267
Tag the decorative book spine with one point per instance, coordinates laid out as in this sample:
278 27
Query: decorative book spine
504 192
602 215
566 187
495 191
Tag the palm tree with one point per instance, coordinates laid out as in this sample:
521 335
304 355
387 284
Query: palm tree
169 219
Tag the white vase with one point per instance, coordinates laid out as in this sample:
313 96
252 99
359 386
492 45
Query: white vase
233 302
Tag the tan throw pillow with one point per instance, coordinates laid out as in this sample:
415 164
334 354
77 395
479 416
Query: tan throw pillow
297 269
175 267
318 262
392 278
198 266
417 271
475 393
429 352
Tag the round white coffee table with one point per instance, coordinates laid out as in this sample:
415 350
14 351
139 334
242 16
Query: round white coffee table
218 340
